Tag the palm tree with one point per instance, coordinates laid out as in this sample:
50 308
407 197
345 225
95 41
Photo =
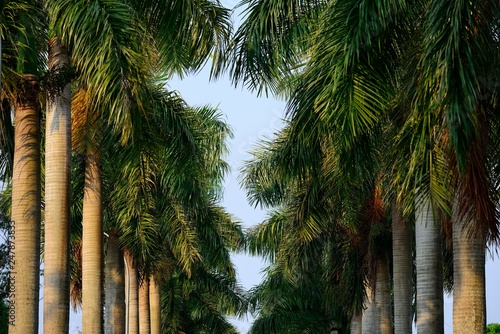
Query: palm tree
114 280
26 180
57 192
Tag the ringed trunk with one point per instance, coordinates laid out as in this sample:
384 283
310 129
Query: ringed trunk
402 244
115 287
92 267
155 305
469 295
24 236
131 290
369 314
383 317
429 271
57 199
144 315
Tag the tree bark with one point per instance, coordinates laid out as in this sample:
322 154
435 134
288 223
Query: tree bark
402 241
356 324
24 235
144 315
131 290
57 199
368 318
469 293
92 267
383 314
114 280
155 305
429 271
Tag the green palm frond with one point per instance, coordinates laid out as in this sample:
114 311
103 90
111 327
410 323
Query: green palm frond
187 32
272 41
456 66
112 55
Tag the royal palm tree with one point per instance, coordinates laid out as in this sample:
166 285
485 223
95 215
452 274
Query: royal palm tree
25 170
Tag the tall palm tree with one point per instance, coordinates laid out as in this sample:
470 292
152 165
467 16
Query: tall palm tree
57 191
26 179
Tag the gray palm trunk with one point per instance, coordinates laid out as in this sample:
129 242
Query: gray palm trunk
155 305
114 280
469 294
92 254
57 198
131 295
369 313
402 241
144 314
25 226
377 317
429 260
356 324
383 314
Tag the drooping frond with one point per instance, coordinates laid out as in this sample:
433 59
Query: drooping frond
187 32
272 41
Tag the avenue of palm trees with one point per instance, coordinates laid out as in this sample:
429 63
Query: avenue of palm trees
381 189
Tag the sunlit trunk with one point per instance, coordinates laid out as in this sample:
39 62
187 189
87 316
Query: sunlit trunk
25 226
92 267
402 241
469 295
144 315
429 271
369 314
114 280
131 291
154 305
57 198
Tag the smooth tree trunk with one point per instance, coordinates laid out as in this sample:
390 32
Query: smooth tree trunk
155 305
469 294
428 246
57 198
144 315
114 280
383 314
24 234
131 291
92 266
402 244
369 313
356 324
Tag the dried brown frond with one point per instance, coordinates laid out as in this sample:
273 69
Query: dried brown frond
476 204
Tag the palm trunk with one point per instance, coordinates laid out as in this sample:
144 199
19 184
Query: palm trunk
114 287
469 296
57 199
155 305
402 240
92 272
368 318
429 271
144 315
356 324
25 225
383 312
132 299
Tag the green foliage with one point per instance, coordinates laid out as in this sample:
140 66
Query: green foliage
493 328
